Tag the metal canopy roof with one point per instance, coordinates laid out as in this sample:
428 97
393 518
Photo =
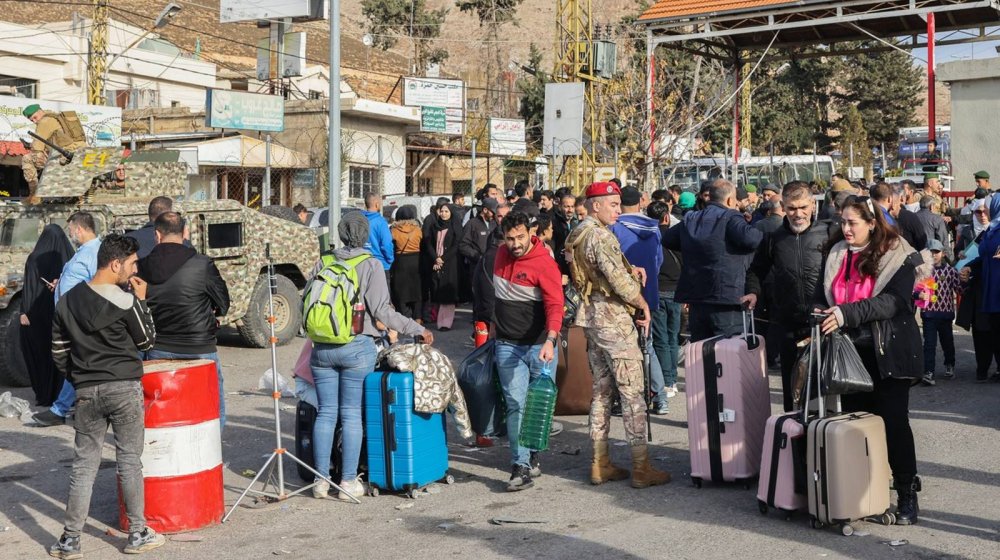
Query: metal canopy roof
754 24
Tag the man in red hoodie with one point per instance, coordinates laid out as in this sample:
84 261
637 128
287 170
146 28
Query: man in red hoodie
527 318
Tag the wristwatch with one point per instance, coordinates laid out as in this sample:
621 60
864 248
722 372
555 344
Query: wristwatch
551 339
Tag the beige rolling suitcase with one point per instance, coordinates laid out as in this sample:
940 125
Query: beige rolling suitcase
847 469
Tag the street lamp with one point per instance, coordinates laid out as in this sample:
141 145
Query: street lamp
160 22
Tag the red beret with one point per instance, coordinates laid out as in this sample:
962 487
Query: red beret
603 189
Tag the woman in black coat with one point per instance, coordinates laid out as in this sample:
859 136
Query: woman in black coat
867 289
43 267
439 253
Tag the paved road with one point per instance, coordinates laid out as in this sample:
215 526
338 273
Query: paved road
956 425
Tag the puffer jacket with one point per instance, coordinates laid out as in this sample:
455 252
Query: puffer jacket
795 263
435 384
889 314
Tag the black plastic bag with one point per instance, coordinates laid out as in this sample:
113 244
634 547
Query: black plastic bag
478 380
843 371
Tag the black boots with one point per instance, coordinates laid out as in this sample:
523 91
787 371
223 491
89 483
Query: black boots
907 508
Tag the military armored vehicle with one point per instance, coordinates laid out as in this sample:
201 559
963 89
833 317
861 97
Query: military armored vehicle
234 236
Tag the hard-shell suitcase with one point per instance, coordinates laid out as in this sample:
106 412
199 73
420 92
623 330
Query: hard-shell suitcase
407 450
847 465
782 468
305 419
573 377
728 402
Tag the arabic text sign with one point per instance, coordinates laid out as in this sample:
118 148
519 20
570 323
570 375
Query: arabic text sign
433 119
507 137
433 92
246 111
102 125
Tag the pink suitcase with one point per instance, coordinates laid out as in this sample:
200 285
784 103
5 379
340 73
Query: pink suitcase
783 458
728 401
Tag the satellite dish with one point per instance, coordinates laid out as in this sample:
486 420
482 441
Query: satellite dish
368 40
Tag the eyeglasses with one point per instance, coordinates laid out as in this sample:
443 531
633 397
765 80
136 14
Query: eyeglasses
979 211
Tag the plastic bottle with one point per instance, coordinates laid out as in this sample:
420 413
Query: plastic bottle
358 319
539 406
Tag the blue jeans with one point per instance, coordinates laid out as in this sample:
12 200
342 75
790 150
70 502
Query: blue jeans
518 366
936 327
65 400
666 337
214 356
339 371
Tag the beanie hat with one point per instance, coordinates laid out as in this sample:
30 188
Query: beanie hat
353 230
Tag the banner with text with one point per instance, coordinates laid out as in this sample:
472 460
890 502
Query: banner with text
102 125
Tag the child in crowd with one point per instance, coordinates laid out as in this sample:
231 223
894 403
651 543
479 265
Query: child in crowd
939 316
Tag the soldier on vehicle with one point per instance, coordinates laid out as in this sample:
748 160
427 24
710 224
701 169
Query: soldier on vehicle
611 290
48 128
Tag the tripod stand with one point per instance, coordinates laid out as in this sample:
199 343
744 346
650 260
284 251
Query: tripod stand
275 462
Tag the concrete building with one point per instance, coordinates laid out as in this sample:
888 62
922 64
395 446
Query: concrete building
975 120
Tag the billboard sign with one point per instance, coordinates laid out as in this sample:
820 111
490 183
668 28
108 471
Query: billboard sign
231 11
101 124
433 119
246 111
507 137
434 92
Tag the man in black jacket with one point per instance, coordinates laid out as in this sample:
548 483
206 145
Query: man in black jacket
97 334
907 224
477 233
186 294
146 235
792 256
718 245
563 220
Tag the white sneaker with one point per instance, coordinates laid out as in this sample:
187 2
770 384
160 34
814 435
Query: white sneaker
350 488
321 489
671 391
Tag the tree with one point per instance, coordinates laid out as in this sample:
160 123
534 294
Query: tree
493 15
885 88
390 20
532 88
854 138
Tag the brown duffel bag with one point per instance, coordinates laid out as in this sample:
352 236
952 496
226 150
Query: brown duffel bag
573 378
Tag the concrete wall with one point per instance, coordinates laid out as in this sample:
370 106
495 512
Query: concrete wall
975 117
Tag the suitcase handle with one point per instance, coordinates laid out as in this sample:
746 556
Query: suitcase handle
748 314
815 359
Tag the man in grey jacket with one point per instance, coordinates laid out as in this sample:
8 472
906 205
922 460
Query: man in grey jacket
934 226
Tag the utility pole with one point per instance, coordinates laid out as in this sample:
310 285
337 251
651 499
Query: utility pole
98 63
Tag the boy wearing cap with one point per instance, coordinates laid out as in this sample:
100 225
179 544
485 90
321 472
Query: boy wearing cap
939 315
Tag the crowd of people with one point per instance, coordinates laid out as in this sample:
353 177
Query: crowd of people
666 265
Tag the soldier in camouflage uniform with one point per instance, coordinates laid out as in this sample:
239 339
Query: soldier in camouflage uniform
611 291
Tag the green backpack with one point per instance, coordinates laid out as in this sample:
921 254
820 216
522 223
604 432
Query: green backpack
328 302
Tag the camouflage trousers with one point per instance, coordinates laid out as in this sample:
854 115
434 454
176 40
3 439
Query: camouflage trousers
32 163
615 360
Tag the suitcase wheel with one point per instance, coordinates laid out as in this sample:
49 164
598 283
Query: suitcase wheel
846 529
412 493
788 514
762 506
696 481
373 490
448 479
815 523
746 484
888 518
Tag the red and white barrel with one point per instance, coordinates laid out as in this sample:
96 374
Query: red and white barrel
182 455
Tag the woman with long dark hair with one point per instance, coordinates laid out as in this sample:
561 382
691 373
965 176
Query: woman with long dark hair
43 267
405 284
867 289
440 255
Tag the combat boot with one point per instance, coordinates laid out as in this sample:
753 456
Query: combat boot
643 474
907 508
601 469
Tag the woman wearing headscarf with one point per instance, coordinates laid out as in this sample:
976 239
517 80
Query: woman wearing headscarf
867 289
982 312
439 253
339 370
43 267
405 285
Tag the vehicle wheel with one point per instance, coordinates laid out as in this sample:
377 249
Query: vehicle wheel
846 529
696 481
13 371
287 313
762 506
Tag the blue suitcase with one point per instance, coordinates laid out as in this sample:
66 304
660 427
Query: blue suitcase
407 450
